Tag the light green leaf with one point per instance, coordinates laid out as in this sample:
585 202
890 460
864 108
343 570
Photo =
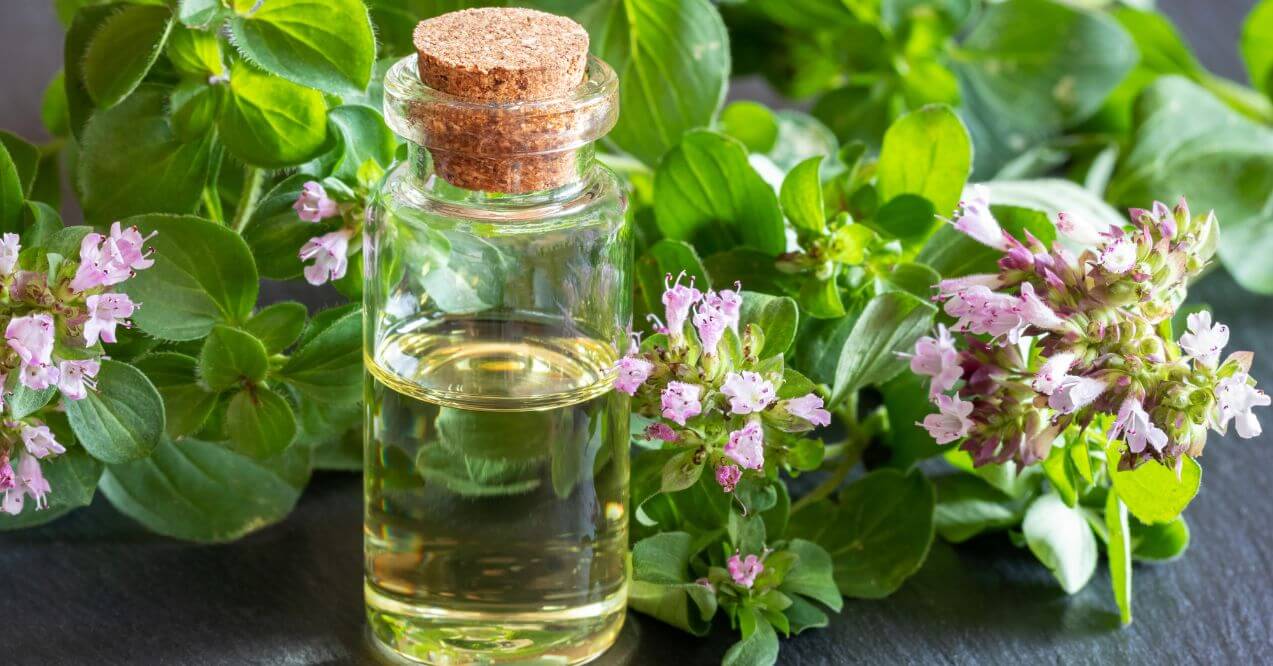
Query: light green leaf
200 13
906 399
1030 68
186 403
201 491
1060 537
891 322
928 153
11 193
909 217
132 162
269 122
706 192
123 419
968 506
195 53
72 476
84 24
275 234
26 159
23 401
801 196
203 275
1119 549
232 357
277 326
800 137
672 58
1151 491
1162 542
777 316
661 586
752 123
878 532
1256 46
363 136
328 366
758 649
813 574
122 51
260 422
324 44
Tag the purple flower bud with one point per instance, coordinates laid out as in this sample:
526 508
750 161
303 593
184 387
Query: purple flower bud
744 571
661 431
313 204
728 477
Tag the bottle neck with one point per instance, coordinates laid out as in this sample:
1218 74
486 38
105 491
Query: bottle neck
424 168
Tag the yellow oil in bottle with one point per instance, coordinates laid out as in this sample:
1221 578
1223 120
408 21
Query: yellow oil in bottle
496 493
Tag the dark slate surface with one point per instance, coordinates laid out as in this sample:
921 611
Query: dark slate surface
94 588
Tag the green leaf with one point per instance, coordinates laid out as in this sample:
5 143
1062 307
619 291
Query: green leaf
122 51
132 162
278 326
891 322
186 403
201 491
915 279
123 419
1162 542
681 472
1054 195
801 196
1257 35
54 114
195 53
1151 491
758 649
268 122
275 234
968 506
1061 475
1030 68
11 194
203 276
328 366
42 223
777 316
85 24
928 153
752 123
324 44
1119 549
954 254
1220 159
26 159
363 136
1060 537
878 533
232 357
706 192
260 422
200 13
661 587
672 58
813 575
909 217
72 476
666 257
801 137
906 399
23 401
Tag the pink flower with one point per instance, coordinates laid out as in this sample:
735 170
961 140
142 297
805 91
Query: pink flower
1204 341
38 376
633 371
1119 253
937 358
661 431
680 401
1073 393
1078 229
1052 372
126 248
76 377
7 479
951 423
979 310
31 337
953 286
9 249
30 481
105 311
39 441
710 324
1134 426
677 300
744 571
975 219
313 204
329 254
746 446
728 477
1235 398
728 303
748 392
1036 312
809 408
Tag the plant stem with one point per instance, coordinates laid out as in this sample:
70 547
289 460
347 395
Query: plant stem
852 453
253 180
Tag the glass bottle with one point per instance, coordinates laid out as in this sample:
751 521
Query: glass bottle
497 299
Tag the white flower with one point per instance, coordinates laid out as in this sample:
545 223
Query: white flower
1204 341
1235 398
1052 372
1073 393
747 392
1118 255
1078 229
1133 426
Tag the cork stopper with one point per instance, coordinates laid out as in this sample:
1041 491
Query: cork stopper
506 107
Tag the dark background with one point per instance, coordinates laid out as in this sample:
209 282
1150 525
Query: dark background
95 588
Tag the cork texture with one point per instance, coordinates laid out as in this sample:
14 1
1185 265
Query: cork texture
511 64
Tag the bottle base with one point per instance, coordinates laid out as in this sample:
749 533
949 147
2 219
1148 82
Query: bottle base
417 634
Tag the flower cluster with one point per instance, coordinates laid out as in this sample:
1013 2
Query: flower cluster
706 383
329 251
57 312
1054 340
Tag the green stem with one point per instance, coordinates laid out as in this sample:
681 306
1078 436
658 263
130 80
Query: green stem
253 180
851 455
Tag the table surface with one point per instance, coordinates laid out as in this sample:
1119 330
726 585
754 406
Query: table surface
94 587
